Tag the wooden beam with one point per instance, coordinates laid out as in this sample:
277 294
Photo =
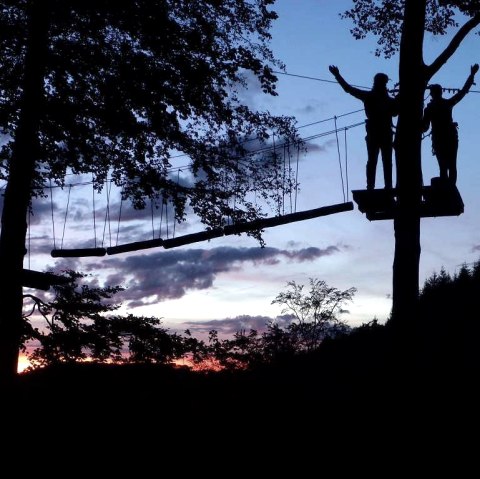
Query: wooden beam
193 238
289 218
39 280
135 246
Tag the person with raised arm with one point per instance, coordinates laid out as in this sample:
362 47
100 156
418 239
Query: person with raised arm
438 116
380 108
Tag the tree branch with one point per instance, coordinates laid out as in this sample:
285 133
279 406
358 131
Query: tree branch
435 66
37 303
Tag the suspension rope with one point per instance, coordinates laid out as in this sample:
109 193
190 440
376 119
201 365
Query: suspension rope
161 219
290 177
166 217
339 160
174 209
119 217
280 198
65 218
151 211
29 217
93 208
53 218
107 216
250 154
346 159
283 177
276 172
296 176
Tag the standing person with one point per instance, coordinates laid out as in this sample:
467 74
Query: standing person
380 108
438 115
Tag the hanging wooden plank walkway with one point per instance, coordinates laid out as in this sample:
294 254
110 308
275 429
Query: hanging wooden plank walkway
207 234
438 199
288 218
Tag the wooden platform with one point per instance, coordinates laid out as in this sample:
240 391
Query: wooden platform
438 199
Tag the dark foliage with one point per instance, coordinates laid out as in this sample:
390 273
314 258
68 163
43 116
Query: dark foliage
80 326
129 84
450 325
384 19
358 394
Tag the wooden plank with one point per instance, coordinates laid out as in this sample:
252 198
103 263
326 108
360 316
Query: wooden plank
78 252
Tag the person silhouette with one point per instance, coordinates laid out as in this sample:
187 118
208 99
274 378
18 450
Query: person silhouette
380 108
438 116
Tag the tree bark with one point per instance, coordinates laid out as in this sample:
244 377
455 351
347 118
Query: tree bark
409 169
18 194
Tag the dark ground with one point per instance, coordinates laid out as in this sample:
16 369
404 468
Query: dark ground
355 398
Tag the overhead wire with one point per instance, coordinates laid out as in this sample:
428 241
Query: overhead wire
448 89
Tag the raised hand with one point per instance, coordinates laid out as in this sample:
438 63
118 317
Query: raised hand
334 70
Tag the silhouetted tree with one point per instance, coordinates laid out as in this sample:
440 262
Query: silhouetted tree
315 317
449 322
316 311
112 88
79 325
401 26
75 328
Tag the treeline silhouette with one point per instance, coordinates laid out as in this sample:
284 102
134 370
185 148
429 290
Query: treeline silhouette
363 377
80 325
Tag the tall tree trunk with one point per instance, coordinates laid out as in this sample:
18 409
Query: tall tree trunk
409 171
18 194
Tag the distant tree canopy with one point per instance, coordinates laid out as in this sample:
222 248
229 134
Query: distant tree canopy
129 84
446 297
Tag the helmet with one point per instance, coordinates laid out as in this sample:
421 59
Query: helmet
435 89
380 79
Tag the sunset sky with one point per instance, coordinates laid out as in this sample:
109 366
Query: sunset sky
229 283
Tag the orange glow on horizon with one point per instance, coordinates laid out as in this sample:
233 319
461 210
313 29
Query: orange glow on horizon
23 363
206 365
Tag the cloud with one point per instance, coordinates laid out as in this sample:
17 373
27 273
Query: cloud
170 274
313 146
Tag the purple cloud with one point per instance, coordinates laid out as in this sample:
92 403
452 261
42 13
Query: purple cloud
170 274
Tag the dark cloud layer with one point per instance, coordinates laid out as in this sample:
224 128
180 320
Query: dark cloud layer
170 274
